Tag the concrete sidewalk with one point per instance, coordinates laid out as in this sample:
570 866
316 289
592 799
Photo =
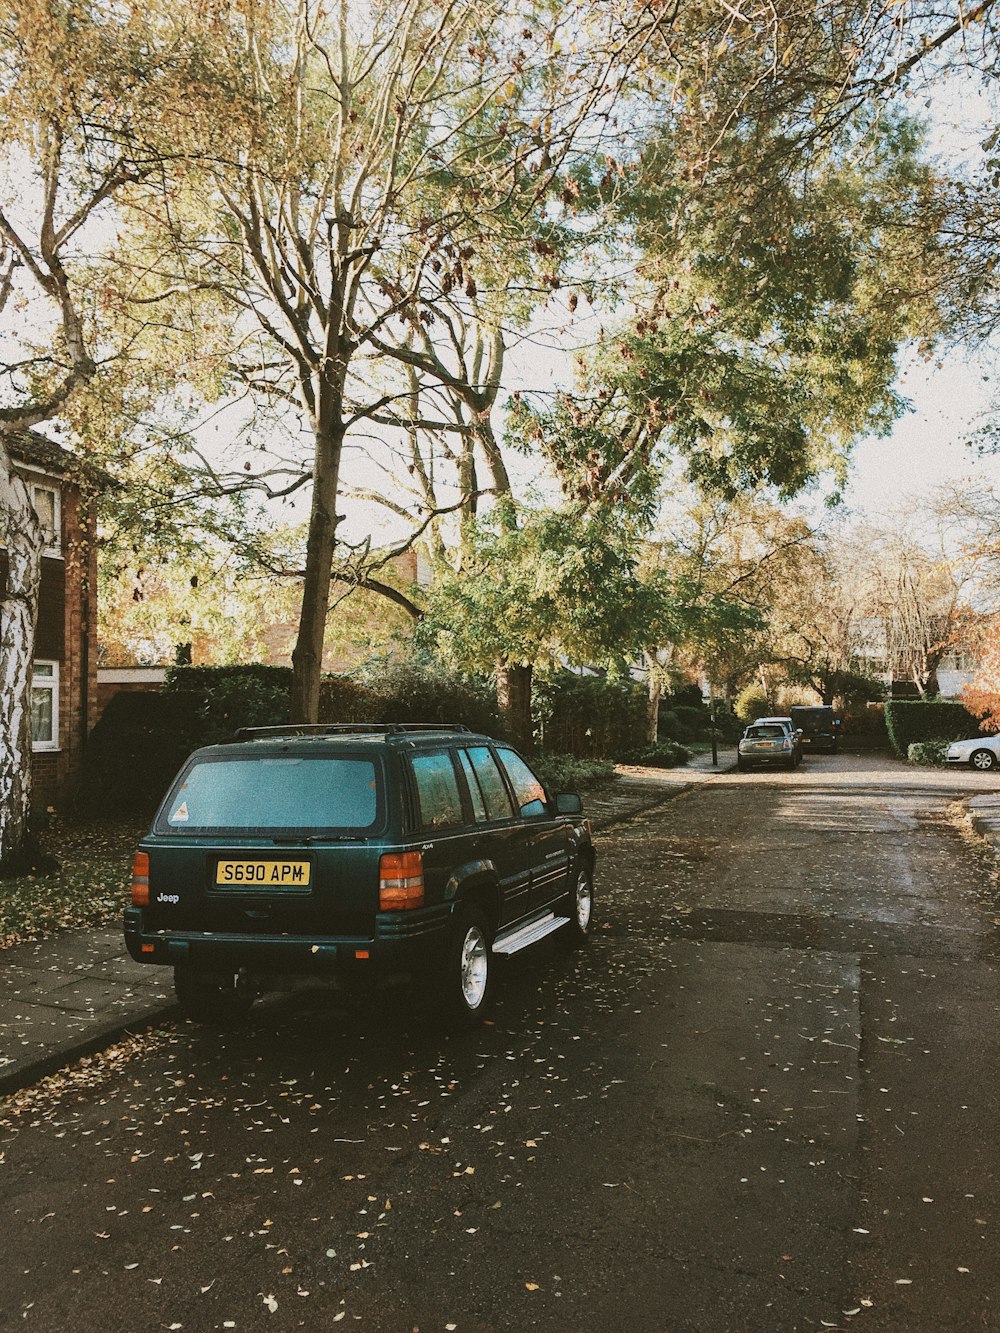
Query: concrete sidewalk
984 812
74 993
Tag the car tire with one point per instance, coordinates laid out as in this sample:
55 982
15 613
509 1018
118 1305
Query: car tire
982 760
579 909
467 987
210 997
742 767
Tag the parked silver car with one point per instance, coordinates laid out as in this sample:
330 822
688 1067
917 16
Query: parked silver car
770 740
982 753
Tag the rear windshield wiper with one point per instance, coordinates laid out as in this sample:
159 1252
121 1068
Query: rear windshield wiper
315 837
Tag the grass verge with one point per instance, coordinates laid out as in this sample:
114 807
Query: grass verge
90 889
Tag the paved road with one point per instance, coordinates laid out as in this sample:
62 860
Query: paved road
763 1099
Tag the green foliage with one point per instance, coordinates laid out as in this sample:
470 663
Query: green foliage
670 727
416 692
865 726
696 718
685 696
588 715
912 720
728 726
257 696
565 772
343 699
231 697
664 754
536 585
854 688
752 703
930 753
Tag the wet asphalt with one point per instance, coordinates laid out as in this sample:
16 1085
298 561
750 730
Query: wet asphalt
763 1098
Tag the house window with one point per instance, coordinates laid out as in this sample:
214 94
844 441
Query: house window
45 498
45 706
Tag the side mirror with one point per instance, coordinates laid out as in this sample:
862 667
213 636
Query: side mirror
569 804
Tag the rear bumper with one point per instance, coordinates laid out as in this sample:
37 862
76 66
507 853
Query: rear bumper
402 942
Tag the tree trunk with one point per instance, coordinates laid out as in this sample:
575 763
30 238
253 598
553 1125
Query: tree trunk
18 615
514 701
653 708
307 655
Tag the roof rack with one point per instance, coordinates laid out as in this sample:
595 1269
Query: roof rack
343 729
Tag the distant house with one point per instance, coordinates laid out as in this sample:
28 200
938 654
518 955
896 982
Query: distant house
64 674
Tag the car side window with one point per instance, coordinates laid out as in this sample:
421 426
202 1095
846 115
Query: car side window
437 790
528 790
475 792
491 783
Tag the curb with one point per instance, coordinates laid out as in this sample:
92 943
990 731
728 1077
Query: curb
23 1074
669 794
986 826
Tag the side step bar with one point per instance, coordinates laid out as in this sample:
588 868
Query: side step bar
514 940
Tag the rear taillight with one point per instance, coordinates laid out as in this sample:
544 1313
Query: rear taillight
400 881
140 880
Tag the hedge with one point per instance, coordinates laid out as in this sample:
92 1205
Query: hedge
909 721
664 754
588 716
413 692
230 697
143 738
136 748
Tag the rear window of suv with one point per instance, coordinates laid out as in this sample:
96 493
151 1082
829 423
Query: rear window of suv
259 793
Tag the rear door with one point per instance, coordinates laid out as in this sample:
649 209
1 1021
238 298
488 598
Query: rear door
548 840
441 819
502 839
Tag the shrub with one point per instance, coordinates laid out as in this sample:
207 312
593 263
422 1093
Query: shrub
752 703
927 752
685 696
588 715
695 719
671 728
342 699
413 692
564 772
664 754
231 697
728 726
865 726
911 720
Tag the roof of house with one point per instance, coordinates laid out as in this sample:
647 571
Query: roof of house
28 446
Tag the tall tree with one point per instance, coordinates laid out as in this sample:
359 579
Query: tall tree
78 85
382 157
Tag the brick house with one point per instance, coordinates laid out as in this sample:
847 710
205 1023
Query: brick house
64 676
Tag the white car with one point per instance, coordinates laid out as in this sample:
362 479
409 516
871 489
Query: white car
982 753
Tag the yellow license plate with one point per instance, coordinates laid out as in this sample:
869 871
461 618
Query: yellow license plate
264 874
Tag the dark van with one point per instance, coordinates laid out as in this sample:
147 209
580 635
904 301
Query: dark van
819 725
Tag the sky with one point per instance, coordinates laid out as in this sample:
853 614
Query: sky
952 394
950 397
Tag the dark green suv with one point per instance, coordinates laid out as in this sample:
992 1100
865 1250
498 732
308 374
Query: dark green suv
355 852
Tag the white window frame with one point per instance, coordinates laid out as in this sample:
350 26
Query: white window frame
51 683
51 488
